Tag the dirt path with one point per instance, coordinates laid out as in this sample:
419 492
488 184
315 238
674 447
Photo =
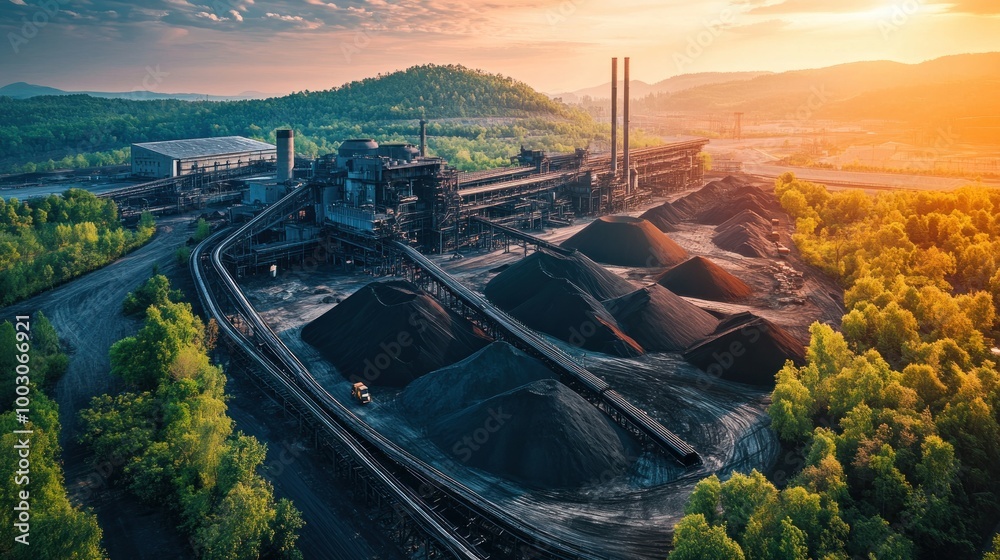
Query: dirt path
86 314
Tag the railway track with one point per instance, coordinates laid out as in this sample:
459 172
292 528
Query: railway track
401 473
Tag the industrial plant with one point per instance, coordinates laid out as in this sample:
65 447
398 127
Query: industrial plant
411 350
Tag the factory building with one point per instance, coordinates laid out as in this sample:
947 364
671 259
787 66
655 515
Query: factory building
374 189
173 158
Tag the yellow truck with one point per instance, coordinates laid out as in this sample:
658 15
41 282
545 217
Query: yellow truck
360 391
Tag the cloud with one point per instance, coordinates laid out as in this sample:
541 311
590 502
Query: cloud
975 7
811 6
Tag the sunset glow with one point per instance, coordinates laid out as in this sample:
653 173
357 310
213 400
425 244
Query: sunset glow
230 46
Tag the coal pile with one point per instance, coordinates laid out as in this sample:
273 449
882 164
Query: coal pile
748 349
660 320
703 279
665 217
390 333
748 239
738 200
748 217
721 200
496 369
691 204
564 311
626 241
524 278
541 435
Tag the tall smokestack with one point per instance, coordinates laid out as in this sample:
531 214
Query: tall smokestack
614 117
286 154
423 138
625 125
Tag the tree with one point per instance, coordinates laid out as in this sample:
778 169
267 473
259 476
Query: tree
241 524
741 496
695 539
154 291
705 499
995 553
791 407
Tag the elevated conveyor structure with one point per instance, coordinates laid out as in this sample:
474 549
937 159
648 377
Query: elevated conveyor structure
456 519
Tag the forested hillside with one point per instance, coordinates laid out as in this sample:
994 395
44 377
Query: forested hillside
478 120
895 416
50 240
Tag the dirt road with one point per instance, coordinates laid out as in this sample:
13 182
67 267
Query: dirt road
86 313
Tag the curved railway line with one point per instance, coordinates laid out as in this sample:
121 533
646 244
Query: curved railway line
461 522
405 477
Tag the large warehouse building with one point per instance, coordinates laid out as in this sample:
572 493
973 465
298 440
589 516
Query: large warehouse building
182 157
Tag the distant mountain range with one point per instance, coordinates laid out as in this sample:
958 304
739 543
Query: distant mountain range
638 88
22 90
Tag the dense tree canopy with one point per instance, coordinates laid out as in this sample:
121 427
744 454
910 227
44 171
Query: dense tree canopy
58 529
50 240
177 444
897 414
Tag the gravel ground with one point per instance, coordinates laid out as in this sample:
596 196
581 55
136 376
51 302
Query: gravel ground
86 313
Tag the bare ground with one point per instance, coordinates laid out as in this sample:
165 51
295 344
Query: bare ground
726 422
86 313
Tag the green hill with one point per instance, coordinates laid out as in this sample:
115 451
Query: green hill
477 120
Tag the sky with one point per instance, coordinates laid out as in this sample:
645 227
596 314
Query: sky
225 47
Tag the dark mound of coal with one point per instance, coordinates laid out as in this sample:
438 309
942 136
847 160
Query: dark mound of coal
522 279
720 200
736 201
665 217
390 333
701 278
562 310
748 217
747 239
747 349
626 241
541 435
660 320
496 369
691 204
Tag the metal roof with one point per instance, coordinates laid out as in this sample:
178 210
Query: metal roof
202 147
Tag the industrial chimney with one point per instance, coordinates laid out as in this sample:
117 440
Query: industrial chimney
625 125
614 117
423 138
286 154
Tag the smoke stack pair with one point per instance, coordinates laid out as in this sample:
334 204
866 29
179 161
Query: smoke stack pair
614 118
286 154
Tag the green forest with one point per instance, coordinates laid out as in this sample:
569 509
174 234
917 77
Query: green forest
895 416
477 120
176 442
57 528
53 239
